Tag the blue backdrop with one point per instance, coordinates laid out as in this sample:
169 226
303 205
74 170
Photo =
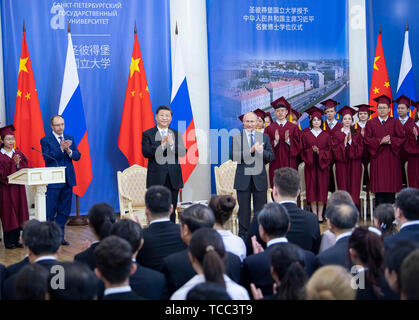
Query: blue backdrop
103 38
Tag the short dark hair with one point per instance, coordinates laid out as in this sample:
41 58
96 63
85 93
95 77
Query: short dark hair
222 207
80 283
197 216
164 108
130 231
31 282
274 219
340 195
42 237
311 122
158 200
410 276
51 120
288 182
101 217
342 214
114 259
208 291
408 202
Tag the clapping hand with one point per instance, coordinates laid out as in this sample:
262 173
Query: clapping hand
316 149
170 139
258 146
276 136
287 135
415 132
17 159
256 246
385 139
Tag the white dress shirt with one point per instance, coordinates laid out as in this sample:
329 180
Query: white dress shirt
8 153
276 240
343 235
45 258
381 119
316 132
362 125
403 121
164 132
160 220
233 243
332 123
117 290
409 223
417 123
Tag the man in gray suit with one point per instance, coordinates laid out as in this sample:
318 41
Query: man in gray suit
251 150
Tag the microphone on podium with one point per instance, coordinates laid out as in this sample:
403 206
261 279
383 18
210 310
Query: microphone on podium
47 155
27 158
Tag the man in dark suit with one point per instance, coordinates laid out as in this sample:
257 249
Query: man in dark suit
251 150
341 217
274 223
2 277
114 267
177 267
304 230
60 150
163 147
407 216
146 282
162 237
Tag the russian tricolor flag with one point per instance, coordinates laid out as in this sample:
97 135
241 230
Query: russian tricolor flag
71 109
182 113
406 84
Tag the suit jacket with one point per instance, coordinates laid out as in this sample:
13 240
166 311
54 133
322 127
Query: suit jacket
153 151
51 147
304 230
148 283
178 269
88 256
160 240
14 268
123 296
251 165
256 269
338 254
2 277
407 233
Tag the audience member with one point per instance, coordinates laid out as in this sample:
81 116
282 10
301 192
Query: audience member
101 217
162 237
384 218
410 277
330 283
32 283
3 273
208 291
206 254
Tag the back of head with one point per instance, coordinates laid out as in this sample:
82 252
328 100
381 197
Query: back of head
340 195
408 202
287 261
207 247
384 214
410 277
330 282
222 207
342 214
158 200
42 237
80 283
288 182
31 282
208 291
101 218
197 216
113 259
130 231
274 219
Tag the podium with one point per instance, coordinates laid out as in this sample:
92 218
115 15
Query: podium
39 178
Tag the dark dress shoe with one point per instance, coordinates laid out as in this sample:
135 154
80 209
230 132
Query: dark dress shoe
64 243
19 245
10 246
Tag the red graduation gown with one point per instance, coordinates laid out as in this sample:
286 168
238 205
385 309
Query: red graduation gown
385 175
13 204
412 149
335 129
409 124
316 170
284 155
348 161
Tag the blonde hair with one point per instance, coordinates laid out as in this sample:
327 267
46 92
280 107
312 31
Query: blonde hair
331 282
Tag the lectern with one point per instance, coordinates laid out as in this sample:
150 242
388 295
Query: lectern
39 178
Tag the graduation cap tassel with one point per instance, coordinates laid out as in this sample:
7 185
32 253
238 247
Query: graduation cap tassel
356 125
291 117
324 126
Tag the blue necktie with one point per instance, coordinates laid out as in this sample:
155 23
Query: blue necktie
252 140
60 138
163 133
382 122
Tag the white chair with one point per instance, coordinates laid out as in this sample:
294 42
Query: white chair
269 195
371 195
131 192
407 177
303 184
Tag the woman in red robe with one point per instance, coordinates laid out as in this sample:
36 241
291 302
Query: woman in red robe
317 155
13 205
348 148
363 116
412 148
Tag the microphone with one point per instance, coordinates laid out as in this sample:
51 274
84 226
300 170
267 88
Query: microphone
27 158
47 155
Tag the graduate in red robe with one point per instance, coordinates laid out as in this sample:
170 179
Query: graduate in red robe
363 116
284 137
268 119
331 125
384 138
348 148
317 155
412 149
13 204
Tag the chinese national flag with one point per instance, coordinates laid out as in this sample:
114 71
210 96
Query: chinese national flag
28 118
379 83
137 115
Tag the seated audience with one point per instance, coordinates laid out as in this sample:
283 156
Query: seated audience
206 253
162 237
341 219
146 282
410 277
222 207
384 218
208 291
330 283
101 217
407 216
32 283
114 267
3 273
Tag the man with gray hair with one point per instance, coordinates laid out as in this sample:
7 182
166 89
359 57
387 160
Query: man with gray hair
341 219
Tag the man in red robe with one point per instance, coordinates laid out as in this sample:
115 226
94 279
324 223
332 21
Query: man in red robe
384 138
332 125
412 149
284 137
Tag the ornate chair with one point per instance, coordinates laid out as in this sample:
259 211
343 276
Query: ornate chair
303 184
131 192
371 196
